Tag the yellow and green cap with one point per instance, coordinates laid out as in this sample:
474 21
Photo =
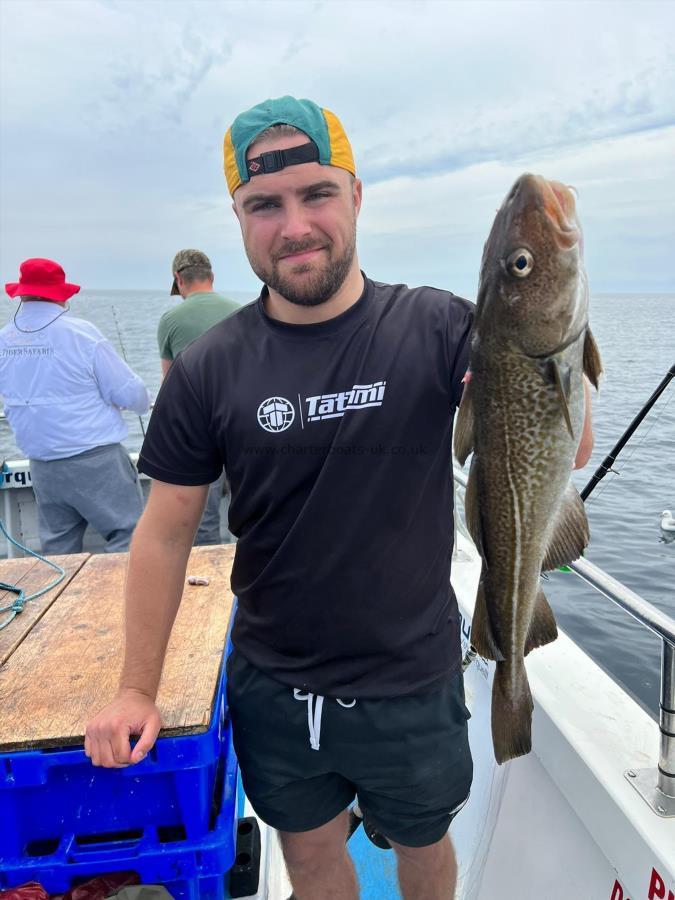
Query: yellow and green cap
322 127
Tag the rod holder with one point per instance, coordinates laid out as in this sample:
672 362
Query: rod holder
657 786
666 781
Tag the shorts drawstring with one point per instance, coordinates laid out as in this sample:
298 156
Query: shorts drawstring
314 712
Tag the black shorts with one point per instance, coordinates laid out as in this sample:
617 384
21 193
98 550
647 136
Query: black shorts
406 758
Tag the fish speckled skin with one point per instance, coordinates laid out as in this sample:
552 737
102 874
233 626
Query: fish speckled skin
522 415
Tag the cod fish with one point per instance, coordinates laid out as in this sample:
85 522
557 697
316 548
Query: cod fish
522 414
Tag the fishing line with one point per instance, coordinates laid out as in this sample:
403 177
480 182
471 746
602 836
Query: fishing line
608 484
124 354
607 464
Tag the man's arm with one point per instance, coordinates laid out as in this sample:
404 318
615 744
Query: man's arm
585 447
117 382
154 587
166 354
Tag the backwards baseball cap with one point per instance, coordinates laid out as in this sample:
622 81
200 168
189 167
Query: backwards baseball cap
183 260
329 145
42 278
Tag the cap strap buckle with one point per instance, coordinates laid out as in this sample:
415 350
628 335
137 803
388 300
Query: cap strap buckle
274 160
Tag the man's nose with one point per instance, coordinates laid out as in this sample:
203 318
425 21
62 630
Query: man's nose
296 225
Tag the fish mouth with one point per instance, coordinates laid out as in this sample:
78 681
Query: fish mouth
560 208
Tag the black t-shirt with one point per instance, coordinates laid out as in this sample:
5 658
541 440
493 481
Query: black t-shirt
336 438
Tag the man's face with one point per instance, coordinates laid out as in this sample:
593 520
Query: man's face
299 225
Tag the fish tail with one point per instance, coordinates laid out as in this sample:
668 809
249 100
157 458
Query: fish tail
511 711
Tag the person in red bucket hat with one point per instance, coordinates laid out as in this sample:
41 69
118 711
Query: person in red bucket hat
42 278
64 387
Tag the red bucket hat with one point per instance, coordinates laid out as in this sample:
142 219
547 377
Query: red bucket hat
42 278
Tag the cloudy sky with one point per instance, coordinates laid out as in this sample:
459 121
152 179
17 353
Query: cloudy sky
113 114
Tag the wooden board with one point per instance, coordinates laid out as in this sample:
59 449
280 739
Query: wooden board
31 574
68 666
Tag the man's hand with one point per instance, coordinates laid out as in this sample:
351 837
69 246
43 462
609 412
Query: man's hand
106 740
585 447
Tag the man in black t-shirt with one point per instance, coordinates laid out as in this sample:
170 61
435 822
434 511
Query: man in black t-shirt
329 401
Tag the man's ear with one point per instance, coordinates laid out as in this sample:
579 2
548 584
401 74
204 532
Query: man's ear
358 194
234 207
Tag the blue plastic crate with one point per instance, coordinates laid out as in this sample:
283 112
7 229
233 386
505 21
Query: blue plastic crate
190 868
54 803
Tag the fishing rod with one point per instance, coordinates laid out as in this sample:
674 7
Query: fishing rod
124 354
606 465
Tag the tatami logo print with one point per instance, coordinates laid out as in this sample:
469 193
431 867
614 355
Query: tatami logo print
276 414
330 406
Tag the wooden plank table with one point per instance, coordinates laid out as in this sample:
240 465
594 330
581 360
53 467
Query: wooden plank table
61 670
31 575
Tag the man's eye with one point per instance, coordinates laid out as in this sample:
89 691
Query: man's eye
318 195
264 205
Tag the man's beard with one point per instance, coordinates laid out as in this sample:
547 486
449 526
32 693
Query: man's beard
317 289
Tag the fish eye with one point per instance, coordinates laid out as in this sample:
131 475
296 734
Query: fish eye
520 263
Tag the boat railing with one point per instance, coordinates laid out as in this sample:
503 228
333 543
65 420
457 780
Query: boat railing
655 785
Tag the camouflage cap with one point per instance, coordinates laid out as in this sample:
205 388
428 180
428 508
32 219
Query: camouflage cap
183 260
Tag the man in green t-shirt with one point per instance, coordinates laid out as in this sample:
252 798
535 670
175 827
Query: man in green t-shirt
201 309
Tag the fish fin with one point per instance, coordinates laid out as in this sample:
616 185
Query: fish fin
592 361
543 628
570 533
482 634
512 707
472 509
562 385
463 440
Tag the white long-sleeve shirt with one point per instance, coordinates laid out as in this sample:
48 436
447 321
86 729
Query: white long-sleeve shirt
64 385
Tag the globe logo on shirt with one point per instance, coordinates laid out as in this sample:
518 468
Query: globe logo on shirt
276 414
